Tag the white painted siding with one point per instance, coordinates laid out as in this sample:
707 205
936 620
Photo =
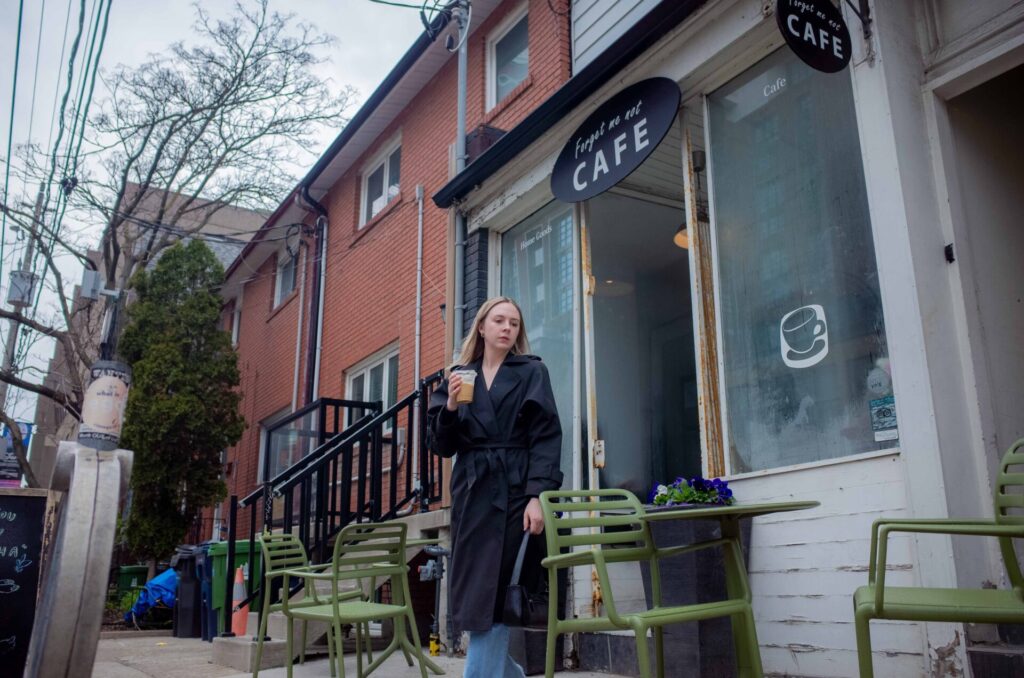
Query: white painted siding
805 566
954 19
597 23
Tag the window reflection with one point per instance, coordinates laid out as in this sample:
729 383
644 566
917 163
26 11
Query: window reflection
536 271
803 337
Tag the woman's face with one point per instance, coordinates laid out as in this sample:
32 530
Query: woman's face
500 328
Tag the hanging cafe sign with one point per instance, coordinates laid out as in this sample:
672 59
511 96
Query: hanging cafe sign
615 139
816 32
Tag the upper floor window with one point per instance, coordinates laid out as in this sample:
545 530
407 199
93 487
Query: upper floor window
508 57
375 378
284 281
380 182
236 321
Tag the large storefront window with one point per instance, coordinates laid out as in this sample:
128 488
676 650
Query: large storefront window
806 373
536 271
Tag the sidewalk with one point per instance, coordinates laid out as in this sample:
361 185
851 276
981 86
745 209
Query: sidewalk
169 657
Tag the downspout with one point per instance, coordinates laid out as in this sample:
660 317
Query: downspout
298 325
419 332
460 219
315 335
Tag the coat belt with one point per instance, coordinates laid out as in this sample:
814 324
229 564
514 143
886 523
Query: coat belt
487 460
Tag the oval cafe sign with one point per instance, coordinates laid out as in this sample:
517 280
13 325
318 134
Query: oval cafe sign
816 31
615 139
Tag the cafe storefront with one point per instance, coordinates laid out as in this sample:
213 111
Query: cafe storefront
724 290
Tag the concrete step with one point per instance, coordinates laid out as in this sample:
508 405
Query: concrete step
240 652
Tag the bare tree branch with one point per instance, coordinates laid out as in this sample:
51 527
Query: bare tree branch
174 141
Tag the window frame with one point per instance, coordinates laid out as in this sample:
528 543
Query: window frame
236 321
265 425
280 295
381 160
497 35
363 369
713 280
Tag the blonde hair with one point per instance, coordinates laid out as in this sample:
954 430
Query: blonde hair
473 345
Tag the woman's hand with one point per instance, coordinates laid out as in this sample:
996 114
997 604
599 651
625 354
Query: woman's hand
454 383
533 517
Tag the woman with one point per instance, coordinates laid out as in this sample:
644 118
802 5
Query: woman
509 442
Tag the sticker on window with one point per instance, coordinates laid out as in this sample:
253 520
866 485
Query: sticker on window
883 418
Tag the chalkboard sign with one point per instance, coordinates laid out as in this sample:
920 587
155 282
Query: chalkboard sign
22 524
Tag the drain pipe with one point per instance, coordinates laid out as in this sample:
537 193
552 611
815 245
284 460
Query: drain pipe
460 164
304 250
316 317
416 414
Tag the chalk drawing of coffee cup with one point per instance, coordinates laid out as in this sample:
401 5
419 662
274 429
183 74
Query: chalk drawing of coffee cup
803 336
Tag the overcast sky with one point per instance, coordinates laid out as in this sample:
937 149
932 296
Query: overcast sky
369 40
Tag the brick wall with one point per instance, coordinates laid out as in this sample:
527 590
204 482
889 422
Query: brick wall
371 271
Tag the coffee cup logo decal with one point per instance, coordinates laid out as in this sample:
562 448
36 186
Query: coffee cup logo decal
803 337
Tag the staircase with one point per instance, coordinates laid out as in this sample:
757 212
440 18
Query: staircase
377 468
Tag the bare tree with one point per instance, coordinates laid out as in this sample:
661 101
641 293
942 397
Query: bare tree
174 141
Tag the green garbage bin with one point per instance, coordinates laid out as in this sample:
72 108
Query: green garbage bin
131 578
218 556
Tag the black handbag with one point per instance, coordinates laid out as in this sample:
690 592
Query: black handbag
522 607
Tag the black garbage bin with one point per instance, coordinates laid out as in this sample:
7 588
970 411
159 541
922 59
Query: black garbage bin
186 620
204 570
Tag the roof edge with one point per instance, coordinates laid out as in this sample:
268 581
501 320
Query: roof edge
653 26
411 56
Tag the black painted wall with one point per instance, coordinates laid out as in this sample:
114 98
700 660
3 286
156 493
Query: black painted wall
476 276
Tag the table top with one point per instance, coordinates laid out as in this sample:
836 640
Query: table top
737 510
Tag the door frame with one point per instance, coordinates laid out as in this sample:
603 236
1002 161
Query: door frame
950 199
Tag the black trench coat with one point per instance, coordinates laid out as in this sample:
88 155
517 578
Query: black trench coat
509 442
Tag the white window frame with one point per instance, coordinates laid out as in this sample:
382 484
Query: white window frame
236 320
493 39
723 75
265 425
363 367
284 261
381 159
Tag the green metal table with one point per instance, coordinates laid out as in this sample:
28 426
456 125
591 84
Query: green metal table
728 518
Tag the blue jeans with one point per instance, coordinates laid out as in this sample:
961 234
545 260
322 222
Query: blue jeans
488 650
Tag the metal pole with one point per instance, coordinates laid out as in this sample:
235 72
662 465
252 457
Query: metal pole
229 576
417 412
11 346
460 164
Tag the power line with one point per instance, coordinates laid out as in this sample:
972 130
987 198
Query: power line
35 75
71 163
10 134
396 4
56 88
64 102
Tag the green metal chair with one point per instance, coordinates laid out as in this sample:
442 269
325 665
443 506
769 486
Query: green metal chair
363 552
283 552
597 527
992 606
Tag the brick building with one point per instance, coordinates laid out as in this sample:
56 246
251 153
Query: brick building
361 199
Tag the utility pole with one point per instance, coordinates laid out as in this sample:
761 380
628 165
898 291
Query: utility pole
19 295
109 379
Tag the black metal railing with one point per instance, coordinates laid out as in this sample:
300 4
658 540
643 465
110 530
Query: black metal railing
364 472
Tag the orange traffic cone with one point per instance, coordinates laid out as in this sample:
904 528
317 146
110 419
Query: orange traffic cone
240 617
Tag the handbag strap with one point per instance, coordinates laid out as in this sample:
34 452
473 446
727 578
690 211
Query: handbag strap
517 570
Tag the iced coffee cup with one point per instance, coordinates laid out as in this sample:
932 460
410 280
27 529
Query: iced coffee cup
465 395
